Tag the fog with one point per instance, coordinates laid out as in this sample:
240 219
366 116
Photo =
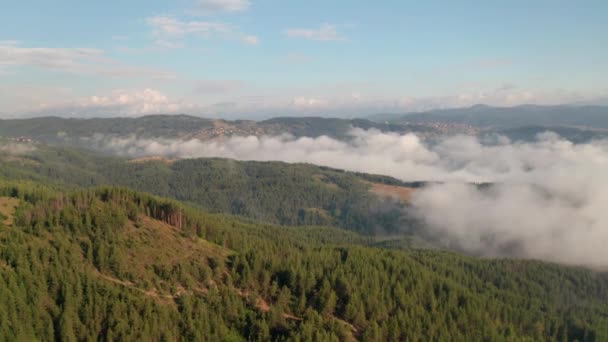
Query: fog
548 201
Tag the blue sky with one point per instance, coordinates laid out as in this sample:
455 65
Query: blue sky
255 58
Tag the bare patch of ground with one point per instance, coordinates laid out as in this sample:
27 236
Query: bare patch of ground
163 160
8 205
400 193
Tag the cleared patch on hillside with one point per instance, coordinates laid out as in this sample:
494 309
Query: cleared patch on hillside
8 205
400 193
157 242
160 159
162 262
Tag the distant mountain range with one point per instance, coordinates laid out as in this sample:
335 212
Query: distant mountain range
576 123
483 116
55 129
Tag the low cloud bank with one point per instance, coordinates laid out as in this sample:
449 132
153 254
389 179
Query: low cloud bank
548 203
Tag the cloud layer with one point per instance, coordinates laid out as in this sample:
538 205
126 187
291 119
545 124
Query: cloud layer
548 202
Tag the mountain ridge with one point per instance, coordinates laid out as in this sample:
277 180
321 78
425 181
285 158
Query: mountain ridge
484 116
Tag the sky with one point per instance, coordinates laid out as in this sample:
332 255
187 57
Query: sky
264 58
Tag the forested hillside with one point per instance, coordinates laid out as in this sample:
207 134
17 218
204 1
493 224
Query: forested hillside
70 130
288 194
111 263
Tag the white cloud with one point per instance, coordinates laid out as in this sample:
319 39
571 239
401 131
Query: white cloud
324 33
117 103
135 103
143 100
308 102
251 40
411 158
167 29
73 60
169 26
11 54
213 6
549 203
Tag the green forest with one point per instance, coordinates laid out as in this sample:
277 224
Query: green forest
274 192
114 264
96 247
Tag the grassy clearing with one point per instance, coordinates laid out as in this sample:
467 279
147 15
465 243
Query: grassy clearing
154 250
8 205
160 159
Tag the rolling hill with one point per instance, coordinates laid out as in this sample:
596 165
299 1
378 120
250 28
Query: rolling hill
110 263
275 192
575 123
64 130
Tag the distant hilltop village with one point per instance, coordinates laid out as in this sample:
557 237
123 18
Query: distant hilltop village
221 129
448 127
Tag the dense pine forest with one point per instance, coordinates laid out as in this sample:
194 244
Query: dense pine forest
114 264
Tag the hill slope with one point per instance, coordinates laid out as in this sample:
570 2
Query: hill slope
83 265
288 194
